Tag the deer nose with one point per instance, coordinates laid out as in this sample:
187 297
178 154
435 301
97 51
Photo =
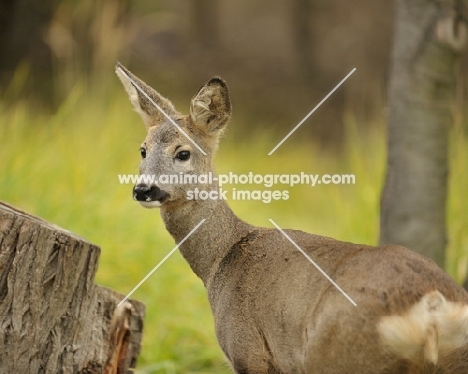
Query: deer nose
141 192
144 192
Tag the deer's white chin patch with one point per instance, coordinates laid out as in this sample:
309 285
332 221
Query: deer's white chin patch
150 204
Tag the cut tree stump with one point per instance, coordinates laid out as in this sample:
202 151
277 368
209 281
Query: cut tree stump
53 318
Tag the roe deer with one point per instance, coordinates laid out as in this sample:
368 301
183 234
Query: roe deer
274 312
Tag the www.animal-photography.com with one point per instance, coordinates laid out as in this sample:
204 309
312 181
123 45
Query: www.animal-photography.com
234 187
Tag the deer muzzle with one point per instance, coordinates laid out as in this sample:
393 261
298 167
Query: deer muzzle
150 196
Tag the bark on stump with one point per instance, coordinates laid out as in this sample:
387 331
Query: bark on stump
53 318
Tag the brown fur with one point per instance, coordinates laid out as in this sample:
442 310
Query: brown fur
274 312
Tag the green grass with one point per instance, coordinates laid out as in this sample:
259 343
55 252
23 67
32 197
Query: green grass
64 168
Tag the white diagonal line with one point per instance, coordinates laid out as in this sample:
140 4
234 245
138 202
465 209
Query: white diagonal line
313 263
312 111
162 261
162 111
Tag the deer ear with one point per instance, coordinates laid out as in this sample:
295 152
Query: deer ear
210 108
144 98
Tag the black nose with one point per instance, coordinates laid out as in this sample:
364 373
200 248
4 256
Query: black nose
143 192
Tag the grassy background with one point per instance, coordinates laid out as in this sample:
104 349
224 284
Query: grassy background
63 167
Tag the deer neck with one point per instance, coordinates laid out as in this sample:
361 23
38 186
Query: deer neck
209 244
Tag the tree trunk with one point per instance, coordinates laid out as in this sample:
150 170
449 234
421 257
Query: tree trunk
23 25
328 129
205 20
53 318
429 35
302 38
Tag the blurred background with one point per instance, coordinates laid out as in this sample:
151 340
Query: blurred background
279 58
67 130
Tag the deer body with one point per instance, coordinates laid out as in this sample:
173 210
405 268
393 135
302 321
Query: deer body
274 312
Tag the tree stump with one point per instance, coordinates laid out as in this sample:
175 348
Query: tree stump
53 318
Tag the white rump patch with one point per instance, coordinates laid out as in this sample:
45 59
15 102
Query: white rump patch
432 327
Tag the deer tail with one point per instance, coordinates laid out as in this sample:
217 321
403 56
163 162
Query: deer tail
430 329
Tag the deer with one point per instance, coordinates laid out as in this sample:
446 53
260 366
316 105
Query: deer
274 313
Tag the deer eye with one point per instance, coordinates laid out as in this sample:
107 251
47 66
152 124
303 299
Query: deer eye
143 152
183 155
